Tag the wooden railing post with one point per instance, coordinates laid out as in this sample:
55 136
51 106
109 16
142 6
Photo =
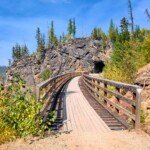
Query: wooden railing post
138 108
118 100
105 93
37 93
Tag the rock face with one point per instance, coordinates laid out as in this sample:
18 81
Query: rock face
78 54
143 79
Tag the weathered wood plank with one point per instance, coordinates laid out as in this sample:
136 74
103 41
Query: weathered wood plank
84 118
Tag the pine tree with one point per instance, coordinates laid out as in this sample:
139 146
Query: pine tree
38 38
125 35
52 32
42 42
13 53
70 28
74 28
97 34
52 37
19 52
137 33
25 51
113 32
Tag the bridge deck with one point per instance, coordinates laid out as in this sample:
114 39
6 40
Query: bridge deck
81 117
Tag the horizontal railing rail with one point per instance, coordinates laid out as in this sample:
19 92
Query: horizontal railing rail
122 100
47 90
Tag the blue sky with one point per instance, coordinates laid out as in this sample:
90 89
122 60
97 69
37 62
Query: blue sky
20 18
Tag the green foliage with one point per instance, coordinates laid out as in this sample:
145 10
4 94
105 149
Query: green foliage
46 74
6 133
19 51
71 28
131 51
74 27
113 32
124 35
126 59
40 41
20 113
142 117
52 37
97 34
145 53
40 45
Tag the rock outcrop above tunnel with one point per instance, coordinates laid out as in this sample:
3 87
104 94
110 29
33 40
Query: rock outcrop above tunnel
75 55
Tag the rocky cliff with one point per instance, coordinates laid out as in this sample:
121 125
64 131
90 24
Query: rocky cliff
78 54
143 79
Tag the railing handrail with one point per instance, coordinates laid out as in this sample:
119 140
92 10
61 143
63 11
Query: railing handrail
44 83
47 90
94 87
127 86
52 85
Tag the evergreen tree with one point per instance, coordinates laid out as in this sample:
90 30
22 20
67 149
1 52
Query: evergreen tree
40 43
113 32
13 53
52 37
70 28
25 51
125 35
137 34
74 28
38 38
97 34
19 51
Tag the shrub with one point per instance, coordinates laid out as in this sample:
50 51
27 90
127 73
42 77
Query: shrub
20 113
142 117
6 133
46 74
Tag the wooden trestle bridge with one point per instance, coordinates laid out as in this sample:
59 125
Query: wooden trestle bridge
84 103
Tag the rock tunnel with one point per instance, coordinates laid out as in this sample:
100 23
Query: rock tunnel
98 66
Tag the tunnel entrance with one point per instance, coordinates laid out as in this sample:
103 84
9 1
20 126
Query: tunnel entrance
98 66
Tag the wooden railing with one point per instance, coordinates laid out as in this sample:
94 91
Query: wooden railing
121 100
47 90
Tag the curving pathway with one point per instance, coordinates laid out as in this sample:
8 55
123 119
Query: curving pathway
81 117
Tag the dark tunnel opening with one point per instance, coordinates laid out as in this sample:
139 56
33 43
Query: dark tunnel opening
98 66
